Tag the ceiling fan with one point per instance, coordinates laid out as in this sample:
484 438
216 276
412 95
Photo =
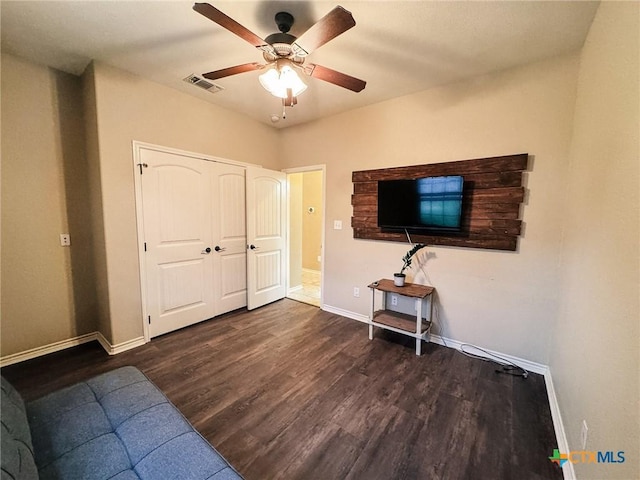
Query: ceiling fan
285 54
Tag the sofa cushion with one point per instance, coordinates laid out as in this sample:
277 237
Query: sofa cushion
118 425
200 462
150 429
100 458
16 451
57 435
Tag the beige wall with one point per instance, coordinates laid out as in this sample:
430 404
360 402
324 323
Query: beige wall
312 222
47 290
52 184
499 300
596 339
94 199
129 108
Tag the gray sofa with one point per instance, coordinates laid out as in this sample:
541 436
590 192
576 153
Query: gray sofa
117 426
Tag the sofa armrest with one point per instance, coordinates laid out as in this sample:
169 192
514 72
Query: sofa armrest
16 451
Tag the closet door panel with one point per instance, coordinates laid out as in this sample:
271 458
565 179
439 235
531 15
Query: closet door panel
230 236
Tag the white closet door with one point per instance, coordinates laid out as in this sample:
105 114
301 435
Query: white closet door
266 253
229 237
199 219
176 195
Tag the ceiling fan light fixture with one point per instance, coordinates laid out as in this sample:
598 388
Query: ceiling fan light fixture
280 78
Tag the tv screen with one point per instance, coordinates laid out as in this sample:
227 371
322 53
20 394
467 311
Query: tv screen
427 204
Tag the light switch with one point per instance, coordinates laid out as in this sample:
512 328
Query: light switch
337 224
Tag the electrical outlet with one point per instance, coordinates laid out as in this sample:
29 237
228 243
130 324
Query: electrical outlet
583 434
394 300
65 239
356 292
337 224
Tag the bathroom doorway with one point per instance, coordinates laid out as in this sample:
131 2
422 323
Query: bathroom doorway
306 234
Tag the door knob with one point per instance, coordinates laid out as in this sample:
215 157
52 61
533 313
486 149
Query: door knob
206 250
219 248
253 247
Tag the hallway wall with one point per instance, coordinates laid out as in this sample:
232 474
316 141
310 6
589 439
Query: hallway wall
311 222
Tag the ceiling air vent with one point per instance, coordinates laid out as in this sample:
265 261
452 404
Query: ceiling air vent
194 79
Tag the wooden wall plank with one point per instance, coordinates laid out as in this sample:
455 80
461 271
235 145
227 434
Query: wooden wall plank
365 187
463 167
493 193
474 226
491 242
513 195
492 180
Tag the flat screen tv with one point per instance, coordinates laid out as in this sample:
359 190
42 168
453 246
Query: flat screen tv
429 205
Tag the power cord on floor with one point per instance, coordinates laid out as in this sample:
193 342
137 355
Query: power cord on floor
508 367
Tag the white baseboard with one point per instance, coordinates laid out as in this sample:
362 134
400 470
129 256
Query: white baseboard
448 342
297 288
71 342
526 364
120 347
563 445
346 313
46 349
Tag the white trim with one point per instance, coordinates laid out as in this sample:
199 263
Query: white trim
142 268
561 437
310 168
297 288
120 347
69 343
137 145
449 342
346 313
526 364
46 349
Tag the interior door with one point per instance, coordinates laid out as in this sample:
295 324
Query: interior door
266 249
230 237
178 260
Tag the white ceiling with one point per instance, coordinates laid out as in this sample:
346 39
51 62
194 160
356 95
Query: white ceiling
398 47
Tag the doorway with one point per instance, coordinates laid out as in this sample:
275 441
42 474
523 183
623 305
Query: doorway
306 234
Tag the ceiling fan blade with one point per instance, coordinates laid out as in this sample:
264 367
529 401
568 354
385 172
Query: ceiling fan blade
227 72
334 23
230 24
337 78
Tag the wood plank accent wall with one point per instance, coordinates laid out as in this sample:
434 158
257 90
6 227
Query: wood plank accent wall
492 195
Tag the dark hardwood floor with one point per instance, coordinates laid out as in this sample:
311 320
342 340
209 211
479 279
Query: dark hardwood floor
291 392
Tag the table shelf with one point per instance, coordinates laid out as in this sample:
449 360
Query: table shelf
401 321
417 326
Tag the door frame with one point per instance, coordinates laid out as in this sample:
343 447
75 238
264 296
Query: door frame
137 181
311 168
